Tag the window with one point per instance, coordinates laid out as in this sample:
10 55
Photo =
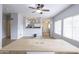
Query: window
70 27
67 27
58 27
76 27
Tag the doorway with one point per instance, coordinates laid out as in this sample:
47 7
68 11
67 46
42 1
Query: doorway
7 29
46 28
8 33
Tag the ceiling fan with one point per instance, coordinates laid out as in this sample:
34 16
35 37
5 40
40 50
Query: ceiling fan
39 8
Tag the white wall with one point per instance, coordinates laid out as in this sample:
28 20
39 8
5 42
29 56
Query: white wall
20 26
31 31
14 26
0 26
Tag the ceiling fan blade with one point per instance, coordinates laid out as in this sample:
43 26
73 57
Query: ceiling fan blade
32 7
45 10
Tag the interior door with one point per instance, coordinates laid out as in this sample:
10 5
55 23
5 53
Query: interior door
46 28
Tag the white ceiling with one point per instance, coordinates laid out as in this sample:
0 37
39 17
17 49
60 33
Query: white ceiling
23 8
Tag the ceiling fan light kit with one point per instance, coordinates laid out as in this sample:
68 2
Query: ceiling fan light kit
38 11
